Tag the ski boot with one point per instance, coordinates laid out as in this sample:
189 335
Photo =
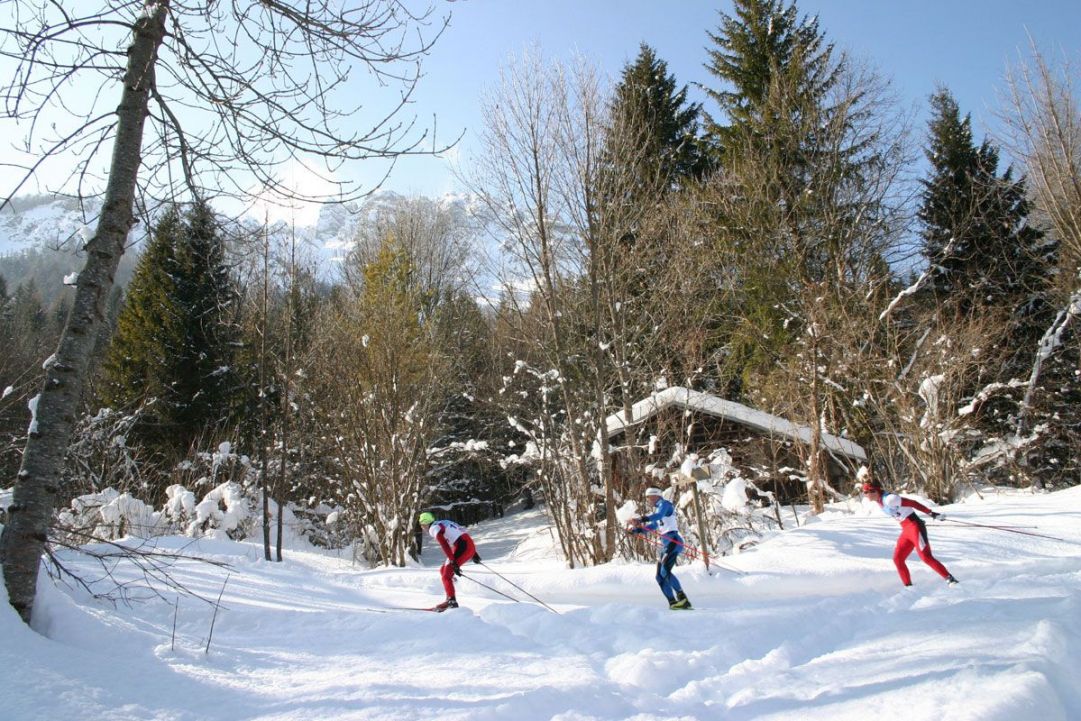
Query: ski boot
682 603
449 603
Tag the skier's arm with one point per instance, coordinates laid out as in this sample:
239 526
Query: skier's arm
651 520
442 538
908 502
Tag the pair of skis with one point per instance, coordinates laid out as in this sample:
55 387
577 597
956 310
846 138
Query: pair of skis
440 608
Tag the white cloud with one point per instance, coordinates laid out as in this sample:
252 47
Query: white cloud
300 179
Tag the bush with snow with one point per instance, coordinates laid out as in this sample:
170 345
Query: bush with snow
108 515
224 512
736 512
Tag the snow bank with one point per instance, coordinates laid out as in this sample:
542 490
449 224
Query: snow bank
810 624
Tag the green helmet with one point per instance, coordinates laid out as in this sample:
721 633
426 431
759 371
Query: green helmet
426 519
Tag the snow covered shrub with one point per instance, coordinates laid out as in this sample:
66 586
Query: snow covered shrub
108 515
213 468
321 525
226 510
99 456
179 506
228 507
735 511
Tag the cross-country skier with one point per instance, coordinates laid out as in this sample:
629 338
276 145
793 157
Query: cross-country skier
663 522
458 547
913 530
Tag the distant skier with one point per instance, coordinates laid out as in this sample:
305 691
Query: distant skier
663 522
913 530
458 547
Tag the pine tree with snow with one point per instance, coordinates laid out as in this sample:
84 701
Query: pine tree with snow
465 459
800 201
986 260
653 150
204 379
174 341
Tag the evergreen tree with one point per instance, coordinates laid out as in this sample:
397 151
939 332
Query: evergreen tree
135 366
652 115
800 145
652 150
204 379
464 470
761 41
976 236
174 339
986 262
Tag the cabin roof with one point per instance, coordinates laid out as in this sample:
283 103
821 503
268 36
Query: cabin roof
768 424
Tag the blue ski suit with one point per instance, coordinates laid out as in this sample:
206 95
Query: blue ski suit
663 521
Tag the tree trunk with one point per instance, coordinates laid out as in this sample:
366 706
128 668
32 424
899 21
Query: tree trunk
38 482
264 413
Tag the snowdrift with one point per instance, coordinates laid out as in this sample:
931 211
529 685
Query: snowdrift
811 624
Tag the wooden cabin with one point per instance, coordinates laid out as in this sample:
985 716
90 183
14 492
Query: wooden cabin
767 449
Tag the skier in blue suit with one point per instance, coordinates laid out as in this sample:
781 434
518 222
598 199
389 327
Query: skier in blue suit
663 522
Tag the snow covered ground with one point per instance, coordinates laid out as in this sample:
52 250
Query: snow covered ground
815 626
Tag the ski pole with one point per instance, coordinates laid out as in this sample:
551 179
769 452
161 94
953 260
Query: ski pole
519 588
999 527
1008 530
696 553
691 550
504 595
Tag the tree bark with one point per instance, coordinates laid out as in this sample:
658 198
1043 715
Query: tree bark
38 481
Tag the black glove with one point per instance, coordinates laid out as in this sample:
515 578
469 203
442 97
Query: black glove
476 558
938 516
456 568
643 519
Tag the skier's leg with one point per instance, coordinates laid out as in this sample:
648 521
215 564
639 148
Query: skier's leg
673 582
900 553
464 550
664 572
447 574
663 582
923 550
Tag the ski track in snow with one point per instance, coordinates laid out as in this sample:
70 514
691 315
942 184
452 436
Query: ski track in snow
817 627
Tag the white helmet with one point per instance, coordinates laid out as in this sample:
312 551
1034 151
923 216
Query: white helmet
654 491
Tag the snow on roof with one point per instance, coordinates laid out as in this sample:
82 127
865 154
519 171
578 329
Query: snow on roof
772 425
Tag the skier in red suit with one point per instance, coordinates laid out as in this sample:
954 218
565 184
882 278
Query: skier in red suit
457 546
913 530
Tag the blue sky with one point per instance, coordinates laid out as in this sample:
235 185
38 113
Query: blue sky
918 44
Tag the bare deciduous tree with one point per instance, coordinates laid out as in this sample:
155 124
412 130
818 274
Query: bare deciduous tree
563 209
378 390
215 97
1044 122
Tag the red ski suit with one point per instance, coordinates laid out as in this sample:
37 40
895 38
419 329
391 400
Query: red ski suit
457 546
913 535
